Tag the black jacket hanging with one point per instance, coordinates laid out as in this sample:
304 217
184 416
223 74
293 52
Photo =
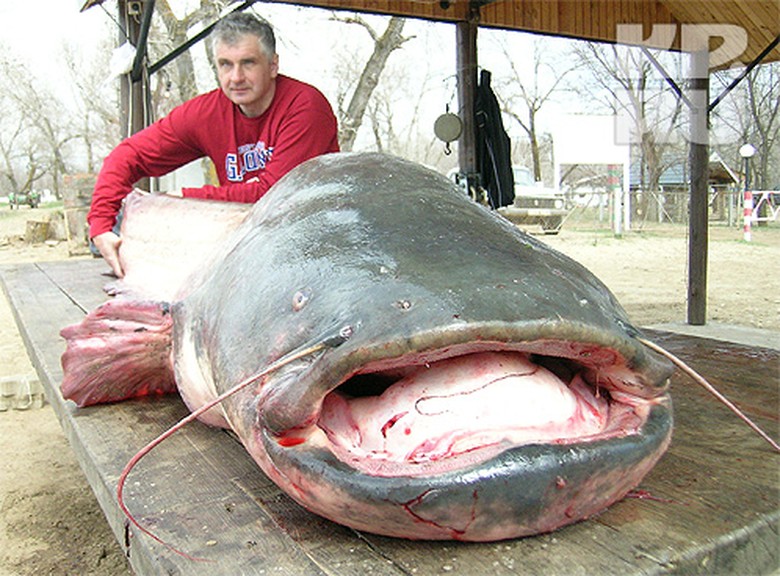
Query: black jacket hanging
494 157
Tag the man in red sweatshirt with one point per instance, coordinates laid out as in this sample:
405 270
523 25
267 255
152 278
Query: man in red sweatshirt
256 127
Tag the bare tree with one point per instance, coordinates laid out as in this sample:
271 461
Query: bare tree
38 119
394 114
176 82
20 157
625 82
751 113
351 118
533 92
96 116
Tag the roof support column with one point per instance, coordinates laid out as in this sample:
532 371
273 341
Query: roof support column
466 47
132 109
699 163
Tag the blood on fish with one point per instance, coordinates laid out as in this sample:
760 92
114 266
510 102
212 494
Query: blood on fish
391 422
455 533
288 441
646 495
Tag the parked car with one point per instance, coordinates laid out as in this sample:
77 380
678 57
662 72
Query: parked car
535 204
16 199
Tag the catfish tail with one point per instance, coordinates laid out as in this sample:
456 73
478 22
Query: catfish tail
120 350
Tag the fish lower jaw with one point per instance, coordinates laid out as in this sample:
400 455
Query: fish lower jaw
480 446
463 411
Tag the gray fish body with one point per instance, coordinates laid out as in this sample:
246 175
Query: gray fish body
391 263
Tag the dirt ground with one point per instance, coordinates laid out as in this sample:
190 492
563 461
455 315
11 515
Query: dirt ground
50 522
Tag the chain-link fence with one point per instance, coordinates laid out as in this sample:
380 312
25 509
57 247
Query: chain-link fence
596 208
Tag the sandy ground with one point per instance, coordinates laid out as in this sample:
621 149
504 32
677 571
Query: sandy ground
50 523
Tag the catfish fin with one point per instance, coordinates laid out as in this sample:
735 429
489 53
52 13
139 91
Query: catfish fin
120 350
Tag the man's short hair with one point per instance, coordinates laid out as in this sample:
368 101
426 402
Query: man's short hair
237 24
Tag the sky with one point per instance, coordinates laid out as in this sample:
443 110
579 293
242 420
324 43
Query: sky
36 31
305 36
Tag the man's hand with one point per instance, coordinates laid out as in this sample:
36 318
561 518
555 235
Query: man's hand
108 244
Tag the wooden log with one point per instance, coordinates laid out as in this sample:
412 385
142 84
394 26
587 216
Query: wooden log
699 162
76 197
37 231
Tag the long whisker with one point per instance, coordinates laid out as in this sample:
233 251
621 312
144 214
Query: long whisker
292 357
701 381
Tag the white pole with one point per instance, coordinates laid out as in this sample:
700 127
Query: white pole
747 214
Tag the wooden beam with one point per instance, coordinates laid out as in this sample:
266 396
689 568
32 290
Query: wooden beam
699 162
466 47
131 104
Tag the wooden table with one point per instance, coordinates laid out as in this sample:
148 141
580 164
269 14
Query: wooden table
712 505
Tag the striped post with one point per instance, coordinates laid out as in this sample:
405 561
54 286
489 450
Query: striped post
747 213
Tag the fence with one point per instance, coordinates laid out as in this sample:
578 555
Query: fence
671 206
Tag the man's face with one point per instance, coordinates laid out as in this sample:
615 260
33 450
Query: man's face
246 75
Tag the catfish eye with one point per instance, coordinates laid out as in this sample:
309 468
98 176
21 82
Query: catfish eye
300 299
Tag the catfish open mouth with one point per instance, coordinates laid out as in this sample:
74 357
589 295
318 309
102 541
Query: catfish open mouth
460 411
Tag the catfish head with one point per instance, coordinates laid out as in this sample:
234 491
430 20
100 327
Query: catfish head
466 381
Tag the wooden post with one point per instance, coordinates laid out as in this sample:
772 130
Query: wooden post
131 94
466 46
617 197
699 161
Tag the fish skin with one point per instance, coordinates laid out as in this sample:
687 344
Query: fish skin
364 245
122 348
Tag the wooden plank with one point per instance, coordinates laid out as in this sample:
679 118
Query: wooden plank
550 18
188 490
713 506
573 17
576 18
610 17
566 17
536 12
597 21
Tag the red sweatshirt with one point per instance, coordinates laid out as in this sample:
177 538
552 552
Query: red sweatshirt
249 154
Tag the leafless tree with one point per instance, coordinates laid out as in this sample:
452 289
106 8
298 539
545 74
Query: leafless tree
38 122
626 82
95 120
523 96
176 82
351 116
20 157
751 113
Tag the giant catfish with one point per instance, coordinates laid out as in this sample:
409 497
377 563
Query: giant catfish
472 383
